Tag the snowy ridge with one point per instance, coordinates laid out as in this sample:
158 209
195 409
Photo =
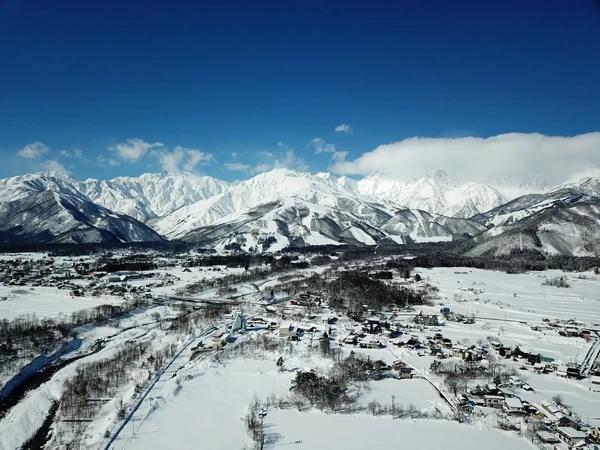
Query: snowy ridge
287 207
152 195
49 209
435 193
561 222
295 222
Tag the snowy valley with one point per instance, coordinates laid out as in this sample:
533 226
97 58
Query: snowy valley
313 351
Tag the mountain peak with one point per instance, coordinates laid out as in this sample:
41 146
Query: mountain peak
56 174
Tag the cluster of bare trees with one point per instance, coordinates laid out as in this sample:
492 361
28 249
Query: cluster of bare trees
254 424
458 375
556 282
96 382
357 367
257 345
318 390
26 337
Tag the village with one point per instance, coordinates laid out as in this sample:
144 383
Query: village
474 366
546 421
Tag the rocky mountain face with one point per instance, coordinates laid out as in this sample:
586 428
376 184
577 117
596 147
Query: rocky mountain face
49 209
562 221
283 208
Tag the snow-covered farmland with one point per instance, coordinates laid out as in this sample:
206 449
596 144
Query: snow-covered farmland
45 302
520 297
209 397
203 399
317 431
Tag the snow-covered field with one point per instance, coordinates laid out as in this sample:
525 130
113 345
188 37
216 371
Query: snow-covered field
45 302
532 301
209 397
201 403
318 431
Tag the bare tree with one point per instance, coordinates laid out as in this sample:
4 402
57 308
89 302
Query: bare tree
374 406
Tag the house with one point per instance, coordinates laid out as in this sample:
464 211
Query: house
513 406
570 435
369 342
561 371
398 364
572 332
595 435
351 340
573 372
459 351
413 342
586 334
256 323
539 367
373 323
546 437
505 425
566 422
493 401
289 331
403 369
217 335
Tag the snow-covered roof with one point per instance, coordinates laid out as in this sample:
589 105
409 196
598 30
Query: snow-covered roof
513 403
546 436
571 432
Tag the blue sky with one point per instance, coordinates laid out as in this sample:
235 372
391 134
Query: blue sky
230 88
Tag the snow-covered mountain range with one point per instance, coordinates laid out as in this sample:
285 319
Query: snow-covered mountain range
49 208
283 207
436 193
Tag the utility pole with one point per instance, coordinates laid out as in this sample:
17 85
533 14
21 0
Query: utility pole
262 416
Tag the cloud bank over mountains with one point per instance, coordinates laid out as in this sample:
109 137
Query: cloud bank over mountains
552 158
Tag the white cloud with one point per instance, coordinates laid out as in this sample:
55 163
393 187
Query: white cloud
111 162
170 160
321 146
343 128
552 158
74 154
189 157
55 166
33 150
259 168
284 160
338 157
195 157
133 149
290 161
238 167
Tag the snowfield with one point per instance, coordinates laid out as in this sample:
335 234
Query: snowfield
201 398
46 302
532 301
317 431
